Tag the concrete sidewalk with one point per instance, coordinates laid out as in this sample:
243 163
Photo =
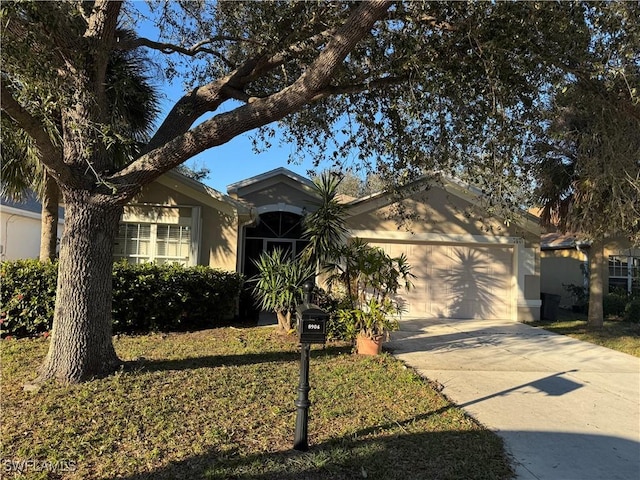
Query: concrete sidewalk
567 410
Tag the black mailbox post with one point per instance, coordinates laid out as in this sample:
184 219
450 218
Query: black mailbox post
312 328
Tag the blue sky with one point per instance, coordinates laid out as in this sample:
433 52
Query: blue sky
235 161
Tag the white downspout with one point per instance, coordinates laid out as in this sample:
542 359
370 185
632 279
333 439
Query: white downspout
585 263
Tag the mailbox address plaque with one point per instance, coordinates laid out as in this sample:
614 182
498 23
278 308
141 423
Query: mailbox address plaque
313 330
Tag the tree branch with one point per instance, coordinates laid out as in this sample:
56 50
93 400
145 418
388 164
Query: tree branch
103 20
279 58
50 155
259 112
209 97
169 48
430 20
359 87
100 31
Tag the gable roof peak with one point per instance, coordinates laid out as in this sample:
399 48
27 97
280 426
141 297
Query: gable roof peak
234 187
197 185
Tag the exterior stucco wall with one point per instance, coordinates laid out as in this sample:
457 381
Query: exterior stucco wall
528 314
563 267
435 211
528 280
277 191
437 215
532 286
621 246
219 240
559 268
218 229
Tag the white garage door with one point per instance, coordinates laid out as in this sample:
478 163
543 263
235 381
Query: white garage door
457 281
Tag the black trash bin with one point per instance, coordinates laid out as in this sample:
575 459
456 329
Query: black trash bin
550 306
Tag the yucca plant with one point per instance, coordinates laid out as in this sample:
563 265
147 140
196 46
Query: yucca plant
325 227
278 285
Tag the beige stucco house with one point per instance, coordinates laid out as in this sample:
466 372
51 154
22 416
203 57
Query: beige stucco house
466 264
179 220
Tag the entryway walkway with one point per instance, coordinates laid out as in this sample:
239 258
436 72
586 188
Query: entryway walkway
566 409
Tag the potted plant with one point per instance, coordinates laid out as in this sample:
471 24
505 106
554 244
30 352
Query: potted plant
371 324
371 279
367 277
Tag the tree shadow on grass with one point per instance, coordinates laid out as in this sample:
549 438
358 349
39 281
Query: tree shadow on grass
426 455
212 361
400 454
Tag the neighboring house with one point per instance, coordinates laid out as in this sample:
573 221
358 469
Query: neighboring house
20 228
467 265
565 261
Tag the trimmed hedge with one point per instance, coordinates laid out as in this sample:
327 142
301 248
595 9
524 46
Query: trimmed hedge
613 304
27 297
146 297
632 311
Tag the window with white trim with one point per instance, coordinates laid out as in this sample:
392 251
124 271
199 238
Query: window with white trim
159 243
159 234
624 273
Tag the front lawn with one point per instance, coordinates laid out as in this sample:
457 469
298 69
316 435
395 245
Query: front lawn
219 404
615 334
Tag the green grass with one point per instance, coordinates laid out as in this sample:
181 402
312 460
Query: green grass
615 334
219 404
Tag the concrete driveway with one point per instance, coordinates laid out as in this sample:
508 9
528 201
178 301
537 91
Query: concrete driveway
567 410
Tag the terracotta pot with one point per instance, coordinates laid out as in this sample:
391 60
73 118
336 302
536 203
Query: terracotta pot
368 346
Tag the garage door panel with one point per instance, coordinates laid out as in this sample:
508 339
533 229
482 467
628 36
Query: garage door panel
457 281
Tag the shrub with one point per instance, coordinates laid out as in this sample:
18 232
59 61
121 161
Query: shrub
632 311
278 286
370 278
613 304
150 297
337 328
27 297
580 296
146 297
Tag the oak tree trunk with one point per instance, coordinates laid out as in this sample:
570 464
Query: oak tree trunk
49 220
595 317
81 342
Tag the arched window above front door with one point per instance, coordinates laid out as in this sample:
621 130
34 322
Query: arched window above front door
277 225
272 230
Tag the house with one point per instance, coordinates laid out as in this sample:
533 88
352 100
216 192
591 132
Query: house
466 264
179 220
20 228
564 261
